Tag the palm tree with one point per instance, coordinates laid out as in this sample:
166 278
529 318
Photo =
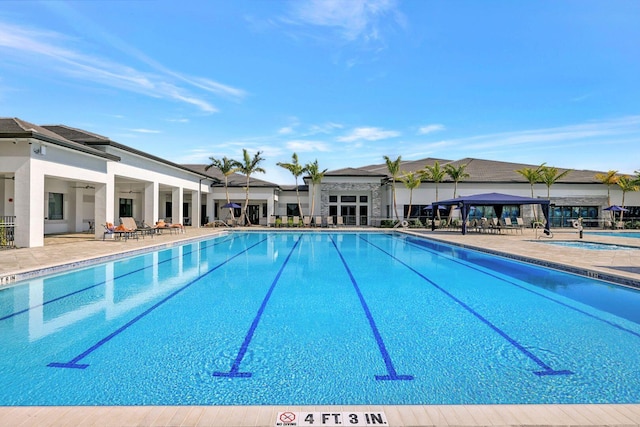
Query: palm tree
533 177
411 181
248 167
457 174
393 166
551 175
316 178
227 167
435 174
627 184
296 170
608 179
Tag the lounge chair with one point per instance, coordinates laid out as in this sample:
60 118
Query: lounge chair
340 221
306 221
318 221
296 221
520 223
272 221
130 224
161 225
508 225
120 231
285 221
330 221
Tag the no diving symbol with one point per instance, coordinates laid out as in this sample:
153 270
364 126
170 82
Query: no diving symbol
287 417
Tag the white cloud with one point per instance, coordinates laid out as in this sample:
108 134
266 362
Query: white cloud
352 19
368 134
306 146
140 130
430 129
287 130
52 51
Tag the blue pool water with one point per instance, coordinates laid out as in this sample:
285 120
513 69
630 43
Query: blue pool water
318 318
593 246
635 234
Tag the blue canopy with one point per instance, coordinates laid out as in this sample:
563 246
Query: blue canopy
616 208
490 199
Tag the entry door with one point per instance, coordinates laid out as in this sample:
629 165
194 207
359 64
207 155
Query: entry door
254 214
349 214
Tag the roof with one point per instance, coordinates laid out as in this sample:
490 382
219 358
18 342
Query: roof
94 140
235 180
354 172
493 199
16 128
479 170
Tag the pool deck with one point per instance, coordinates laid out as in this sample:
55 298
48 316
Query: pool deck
69 251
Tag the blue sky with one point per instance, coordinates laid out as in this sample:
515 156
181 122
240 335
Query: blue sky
344 82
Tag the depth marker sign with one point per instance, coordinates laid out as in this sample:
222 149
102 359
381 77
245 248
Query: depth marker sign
330 419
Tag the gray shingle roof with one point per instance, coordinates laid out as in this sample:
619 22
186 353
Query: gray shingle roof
481 170
17 128
235 180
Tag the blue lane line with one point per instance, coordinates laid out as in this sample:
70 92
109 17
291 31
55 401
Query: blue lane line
417 243
235 368
73 363
546 369
392 375
26 310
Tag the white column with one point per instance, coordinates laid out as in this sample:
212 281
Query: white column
176 205
29 205
195 209
103 210
151 196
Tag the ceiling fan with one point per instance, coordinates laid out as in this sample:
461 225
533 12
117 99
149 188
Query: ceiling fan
86 187
130 192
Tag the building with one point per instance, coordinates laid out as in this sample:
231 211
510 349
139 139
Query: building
60 179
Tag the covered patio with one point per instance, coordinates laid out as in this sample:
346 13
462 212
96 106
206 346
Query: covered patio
497 200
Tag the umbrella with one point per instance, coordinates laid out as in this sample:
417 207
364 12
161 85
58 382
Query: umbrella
616 208
232 205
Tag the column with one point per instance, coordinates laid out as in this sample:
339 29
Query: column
29 206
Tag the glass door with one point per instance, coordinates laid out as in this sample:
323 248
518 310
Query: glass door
348 213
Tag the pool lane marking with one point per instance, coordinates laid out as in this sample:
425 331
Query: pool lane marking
415 242
103 282
234 372
546 369
73 363
392 374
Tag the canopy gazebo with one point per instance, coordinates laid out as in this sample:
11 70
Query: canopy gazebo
497 200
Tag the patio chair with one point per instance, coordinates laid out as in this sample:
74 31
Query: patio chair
330 221
340 221
508 225
130 224
296 221
520 223
272 221
285 221
318 221
306 221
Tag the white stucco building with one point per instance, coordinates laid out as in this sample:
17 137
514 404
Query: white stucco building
59 179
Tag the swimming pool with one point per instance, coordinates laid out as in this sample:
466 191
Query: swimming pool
635 234
593 246
318 318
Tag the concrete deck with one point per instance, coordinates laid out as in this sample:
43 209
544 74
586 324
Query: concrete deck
68 251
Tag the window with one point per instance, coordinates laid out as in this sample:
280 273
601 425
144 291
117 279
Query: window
292 209
126 208
363 199
348 199
55 206
333 199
